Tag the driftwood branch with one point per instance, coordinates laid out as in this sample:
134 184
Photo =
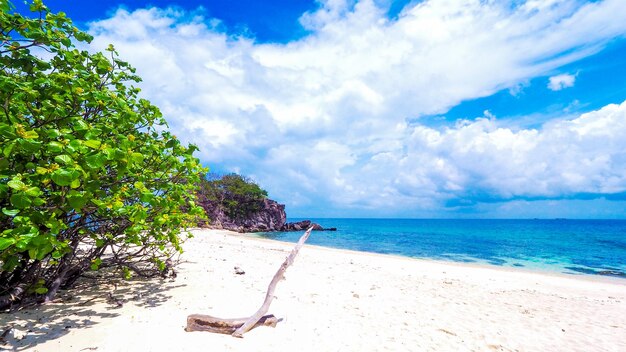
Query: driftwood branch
200 322
238 327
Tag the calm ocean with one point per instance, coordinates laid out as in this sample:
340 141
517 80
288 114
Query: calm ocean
596 247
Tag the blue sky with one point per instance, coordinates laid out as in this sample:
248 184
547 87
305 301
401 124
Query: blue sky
379 108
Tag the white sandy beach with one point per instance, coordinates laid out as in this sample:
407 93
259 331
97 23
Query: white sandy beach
332 300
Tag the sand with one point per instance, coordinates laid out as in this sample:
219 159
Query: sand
331 300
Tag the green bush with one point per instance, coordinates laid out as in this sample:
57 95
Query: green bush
89 175
236 195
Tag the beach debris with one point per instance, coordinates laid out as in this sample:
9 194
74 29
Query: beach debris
239 271
238 327
200 322
448 332
114 301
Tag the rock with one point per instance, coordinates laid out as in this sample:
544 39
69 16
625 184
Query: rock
297 226
239 271
317 227
304 225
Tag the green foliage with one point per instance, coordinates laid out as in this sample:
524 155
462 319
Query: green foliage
84 162
237 195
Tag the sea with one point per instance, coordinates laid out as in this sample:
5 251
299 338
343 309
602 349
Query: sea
577 247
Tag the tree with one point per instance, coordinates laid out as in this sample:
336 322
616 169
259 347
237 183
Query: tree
89 175
236 195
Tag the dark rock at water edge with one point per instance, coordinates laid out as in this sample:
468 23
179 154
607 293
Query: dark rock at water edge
304 225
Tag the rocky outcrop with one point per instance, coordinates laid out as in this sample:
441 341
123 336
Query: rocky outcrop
304 225
271 217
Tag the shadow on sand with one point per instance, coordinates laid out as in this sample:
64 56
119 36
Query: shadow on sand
90 301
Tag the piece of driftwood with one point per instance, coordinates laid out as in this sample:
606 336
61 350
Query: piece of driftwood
238 327
201 322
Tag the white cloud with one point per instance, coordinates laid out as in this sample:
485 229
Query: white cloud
562 81
324 117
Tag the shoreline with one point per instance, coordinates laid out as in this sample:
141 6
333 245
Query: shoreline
505 268
332 299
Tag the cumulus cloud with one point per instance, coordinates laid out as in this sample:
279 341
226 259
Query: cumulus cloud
562 81
323 119
561 159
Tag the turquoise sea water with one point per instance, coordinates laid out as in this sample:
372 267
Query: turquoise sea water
596 247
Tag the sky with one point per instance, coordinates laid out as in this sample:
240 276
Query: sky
380 108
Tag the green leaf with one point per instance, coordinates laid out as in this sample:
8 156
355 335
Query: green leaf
5 6
73 146
127 273
29 145
64 159
55 147
83 37
95 161
7 131
75 183
44 250
41 170
37 6
62 177
146 197
41 290
136 158
33 191
10 212
98 202
30 135
6 242
11 263
53 133
54 225
80 125
32 253
8 149
16 184
95 264
93 144
20 200
77 201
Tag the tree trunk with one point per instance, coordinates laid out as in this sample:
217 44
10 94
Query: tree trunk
238 327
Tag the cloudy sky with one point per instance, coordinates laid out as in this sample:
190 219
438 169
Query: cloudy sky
380 108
